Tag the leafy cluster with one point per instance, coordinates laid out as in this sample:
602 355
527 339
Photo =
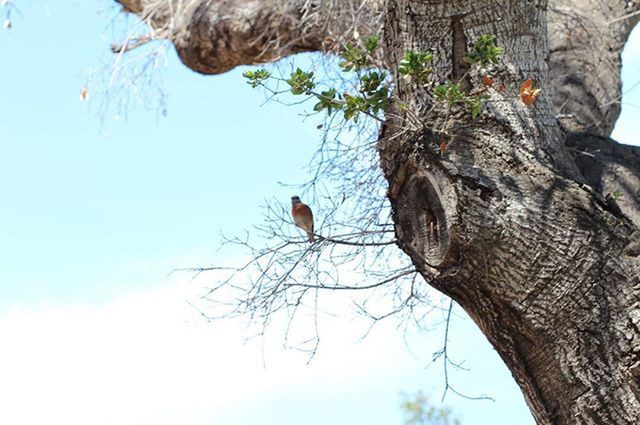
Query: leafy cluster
355 58
617 195
419 411
485 51
256 78
301 82
451 94
370 97
329 100
373 86
415 66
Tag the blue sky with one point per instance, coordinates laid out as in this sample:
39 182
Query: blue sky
97 209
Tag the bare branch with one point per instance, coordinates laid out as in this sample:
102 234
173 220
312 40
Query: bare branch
139 41
624 17
446 362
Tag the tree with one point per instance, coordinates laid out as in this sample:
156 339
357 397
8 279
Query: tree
419 411
529 220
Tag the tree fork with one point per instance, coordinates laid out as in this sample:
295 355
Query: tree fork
509 222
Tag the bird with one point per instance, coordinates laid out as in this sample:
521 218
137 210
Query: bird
302 216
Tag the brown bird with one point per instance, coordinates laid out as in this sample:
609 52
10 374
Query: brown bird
302 216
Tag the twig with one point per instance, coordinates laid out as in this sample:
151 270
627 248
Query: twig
134 43
446 361
627 16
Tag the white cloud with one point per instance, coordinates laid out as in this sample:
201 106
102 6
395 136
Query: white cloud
144 360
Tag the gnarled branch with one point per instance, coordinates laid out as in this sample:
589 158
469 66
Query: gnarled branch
212 37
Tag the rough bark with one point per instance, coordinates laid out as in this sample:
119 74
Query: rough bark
212 37
585 41
505 224
608 167
514 222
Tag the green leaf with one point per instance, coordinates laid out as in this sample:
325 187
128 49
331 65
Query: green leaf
354 105
370 81
450 93
327 100
371 43
372 95
257 77
354 58
416 66
301 82
476 107
441 92
484 51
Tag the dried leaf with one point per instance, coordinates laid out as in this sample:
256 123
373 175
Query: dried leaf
528 93
84 94
443 146
487 80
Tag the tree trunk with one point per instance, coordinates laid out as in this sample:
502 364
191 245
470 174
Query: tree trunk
513 221
506 224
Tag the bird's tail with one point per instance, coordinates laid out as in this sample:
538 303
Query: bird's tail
311 237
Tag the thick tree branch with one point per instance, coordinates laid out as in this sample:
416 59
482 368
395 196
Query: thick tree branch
214 36
586 38
610 168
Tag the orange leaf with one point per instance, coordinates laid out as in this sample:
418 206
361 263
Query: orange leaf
501 88
528 94
443 146
84 93
487 80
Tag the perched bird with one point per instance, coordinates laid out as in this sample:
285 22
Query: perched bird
302 216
